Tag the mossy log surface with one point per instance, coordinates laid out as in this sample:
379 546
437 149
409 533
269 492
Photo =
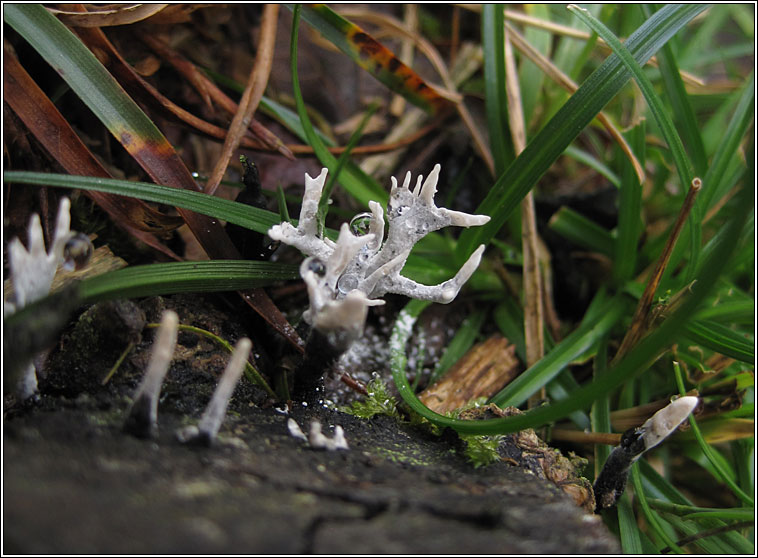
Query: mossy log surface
74 483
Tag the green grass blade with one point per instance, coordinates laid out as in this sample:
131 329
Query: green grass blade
496 103
581 108
680 104
462 341
582 231
662 118
240 214
183 277
721 339
590 161
82 71
728 147
636 361
654 102
650 515
587 334
630 208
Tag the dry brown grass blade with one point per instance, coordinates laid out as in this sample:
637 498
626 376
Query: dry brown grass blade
374 148
533 305
555 73
641 320
52 130
252 96
581 437
205 86
410 13
433 55
481 372
120 15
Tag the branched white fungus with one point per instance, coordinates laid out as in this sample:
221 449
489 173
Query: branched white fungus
32 273
346 277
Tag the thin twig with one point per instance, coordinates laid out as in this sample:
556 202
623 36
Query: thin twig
533 314
252 96
581 437
642 314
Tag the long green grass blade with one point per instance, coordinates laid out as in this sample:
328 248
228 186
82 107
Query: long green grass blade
583 337
596 91
721 339
630 208
496 103
83 72
183 277
240 214
680 104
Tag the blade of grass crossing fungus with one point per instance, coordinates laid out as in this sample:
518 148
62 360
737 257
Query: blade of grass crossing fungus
650 515
596 91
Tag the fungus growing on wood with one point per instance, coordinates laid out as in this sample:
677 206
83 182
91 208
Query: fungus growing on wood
346 277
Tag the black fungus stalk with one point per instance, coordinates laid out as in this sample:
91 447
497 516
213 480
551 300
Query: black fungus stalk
252 245
611 481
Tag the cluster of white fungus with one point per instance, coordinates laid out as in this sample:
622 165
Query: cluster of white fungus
346 277
33 269
142 417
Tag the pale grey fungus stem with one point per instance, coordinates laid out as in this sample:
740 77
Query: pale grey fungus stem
346 277
207 429
142 418
295 431
611 481
317 440
33 269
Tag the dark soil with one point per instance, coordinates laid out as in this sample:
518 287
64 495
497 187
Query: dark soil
75 483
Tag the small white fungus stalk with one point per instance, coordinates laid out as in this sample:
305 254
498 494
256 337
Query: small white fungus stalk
207 429
346 277
316 439
142 418
611 481
32 272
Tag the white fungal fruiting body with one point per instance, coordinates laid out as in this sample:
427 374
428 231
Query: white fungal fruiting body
213 416
32 273
667 420
142 418
346 277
